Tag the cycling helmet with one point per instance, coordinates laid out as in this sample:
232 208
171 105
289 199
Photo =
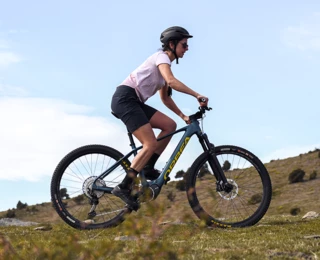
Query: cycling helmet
174 34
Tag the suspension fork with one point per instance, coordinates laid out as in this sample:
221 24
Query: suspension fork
222 183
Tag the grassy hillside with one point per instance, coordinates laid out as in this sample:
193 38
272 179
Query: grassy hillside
303 195
164 229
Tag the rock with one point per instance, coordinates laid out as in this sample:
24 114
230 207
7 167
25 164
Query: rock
43 228
89 221
132 238
126 238
16 222
312 237
165 223
311 215
176 222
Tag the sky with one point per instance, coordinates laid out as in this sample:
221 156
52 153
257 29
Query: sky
60 62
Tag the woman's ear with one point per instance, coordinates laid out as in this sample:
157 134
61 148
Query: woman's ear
171 45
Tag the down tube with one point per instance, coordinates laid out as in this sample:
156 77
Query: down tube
175 156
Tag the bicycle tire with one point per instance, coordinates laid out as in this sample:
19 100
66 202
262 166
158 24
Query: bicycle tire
71 183
250 198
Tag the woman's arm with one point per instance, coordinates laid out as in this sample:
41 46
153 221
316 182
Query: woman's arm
169 103
177 85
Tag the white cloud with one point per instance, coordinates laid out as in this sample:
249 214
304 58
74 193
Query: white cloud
306 35
291 151
8 58
8 90
36 133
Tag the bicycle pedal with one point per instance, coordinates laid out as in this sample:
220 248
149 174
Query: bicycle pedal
92 214
133 207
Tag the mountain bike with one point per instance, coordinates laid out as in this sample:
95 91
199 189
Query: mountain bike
226 186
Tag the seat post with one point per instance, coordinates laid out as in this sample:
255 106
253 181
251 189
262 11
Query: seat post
132 143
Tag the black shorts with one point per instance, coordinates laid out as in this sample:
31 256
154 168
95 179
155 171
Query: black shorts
127 106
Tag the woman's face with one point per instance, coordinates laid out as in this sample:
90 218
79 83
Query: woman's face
182 47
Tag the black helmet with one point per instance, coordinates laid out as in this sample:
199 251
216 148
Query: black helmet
174 33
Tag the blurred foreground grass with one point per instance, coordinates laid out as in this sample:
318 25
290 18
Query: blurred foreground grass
276 237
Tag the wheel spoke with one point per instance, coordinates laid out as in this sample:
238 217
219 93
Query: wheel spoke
72 185
251 194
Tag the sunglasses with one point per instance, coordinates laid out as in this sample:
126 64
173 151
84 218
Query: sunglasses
184 45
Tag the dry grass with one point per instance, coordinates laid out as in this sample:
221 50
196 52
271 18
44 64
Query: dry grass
305 195
281 237
142 236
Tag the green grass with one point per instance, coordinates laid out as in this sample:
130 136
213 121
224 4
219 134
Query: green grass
281 237
144 236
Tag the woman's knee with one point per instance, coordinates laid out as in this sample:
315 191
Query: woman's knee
168 125
174 125
150 146
163 122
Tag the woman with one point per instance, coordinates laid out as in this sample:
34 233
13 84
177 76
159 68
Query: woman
128 103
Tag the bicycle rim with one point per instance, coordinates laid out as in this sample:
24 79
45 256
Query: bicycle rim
71 187
249 200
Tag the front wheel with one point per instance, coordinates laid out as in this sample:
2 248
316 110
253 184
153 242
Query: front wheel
249 199
72 195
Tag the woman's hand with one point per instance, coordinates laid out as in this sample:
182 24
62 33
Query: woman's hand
186 119
203 101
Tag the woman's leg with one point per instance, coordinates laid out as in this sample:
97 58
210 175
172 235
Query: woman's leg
149 142
151 146
147 138
166 125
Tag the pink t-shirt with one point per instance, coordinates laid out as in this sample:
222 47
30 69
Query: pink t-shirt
147 79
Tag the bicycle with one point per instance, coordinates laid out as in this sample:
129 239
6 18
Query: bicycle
235 190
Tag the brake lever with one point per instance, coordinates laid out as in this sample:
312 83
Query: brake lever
205 108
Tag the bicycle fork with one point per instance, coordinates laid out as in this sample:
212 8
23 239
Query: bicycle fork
222 182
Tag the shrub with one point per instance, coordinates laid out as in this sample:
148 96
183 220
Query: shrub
203 170
11 213
34 209
255 199
319 154
181 185
226 166
171 196
64 193
78 199
296 176
313 175
21 205
180 174
295 211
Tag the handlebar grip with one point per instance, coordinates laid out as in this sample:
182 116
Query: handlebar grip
202 100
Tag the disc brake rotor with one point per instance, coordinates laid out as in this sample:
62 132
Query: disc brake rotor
232 194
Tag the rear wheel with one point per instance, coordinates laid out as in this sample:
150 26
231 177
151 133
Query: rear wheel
71 188
249 199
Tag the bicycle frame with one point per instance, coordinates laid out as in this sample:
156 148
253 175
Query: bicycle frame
189 131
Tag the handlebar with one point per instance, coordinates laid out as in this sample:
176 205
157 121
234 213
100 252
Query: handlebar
200 113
